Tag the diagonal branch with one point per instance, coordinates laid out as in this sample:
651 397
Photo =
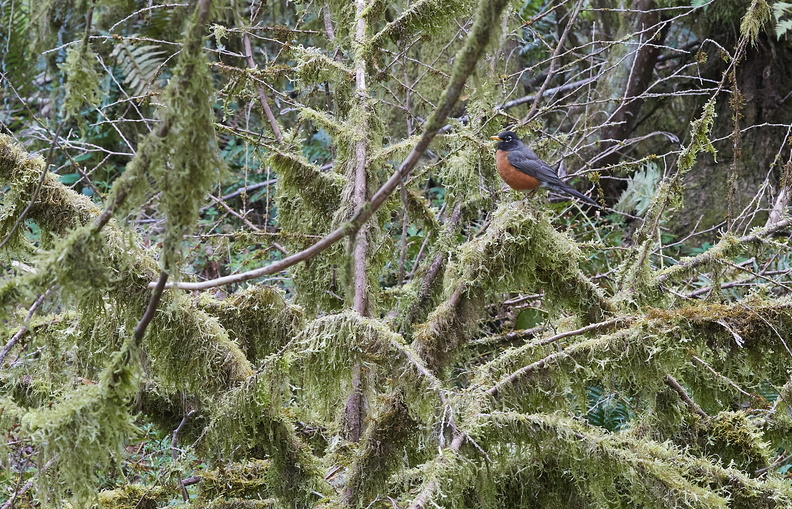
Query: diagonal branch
464 63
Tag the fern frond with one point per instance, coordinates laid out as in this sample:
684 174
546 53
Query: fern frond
140 67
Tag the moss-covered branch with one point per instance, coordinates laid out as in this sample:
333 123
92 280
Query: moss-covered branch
425 15
621 468
520 249
635 280
728 247
248 420
650 349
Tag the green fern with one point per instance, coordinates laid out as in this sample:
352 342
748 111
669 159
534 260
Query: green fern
606 410
14 43
781 9
140 66
640 190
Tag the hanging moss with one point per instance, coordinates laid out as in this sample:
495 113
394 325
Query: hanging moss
757 15
614 469
423 15
185 159
381 451
249 421
468 173
82 81
259 319
734 432
328 348
636 280
321 191
236 503
191 351
81 434
316 67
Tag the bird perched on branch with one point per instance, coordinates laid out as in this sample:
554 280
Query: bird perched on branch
522 169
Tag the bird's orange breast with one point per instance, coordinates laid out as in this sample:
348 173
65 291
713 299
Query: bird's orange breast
516 179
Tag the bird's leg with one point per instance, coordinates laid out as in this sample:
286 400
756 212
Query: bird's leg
528 194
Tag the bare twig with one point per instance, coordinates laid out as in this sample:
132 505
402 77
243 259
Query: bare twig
671 382
261 94
553 62
23 330
151 309
175 450
9 504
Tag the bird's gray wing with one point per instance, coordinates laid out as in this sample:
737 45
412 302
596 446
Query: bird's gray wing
525 160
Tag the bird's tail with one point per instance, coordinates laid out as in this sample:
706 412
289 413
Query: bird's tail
575 194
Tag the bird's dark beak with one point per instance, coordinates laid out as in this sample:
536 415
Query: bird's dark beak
495 138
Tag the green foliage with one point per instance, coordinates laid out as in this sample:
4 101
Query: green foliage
640 190
512 353
82 80
140 66
780 9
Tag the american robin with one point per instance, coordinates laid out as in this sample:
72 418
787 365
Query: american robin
522 169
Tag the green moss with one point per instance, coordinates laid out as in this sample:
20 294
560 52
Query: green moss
328 348
757 15
423 15
249 421
636 281
236 503
738 442
382 448
259 319
246 480
82 432
185 159
192 350
519 250
134 496
613 470
82 81
315 67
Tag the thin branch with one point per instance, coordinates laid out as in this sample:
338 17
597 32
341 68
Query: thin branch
261 94
671 382
724 248
464 63
23 330
9 504
423 499
145 320
175 450
553 62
